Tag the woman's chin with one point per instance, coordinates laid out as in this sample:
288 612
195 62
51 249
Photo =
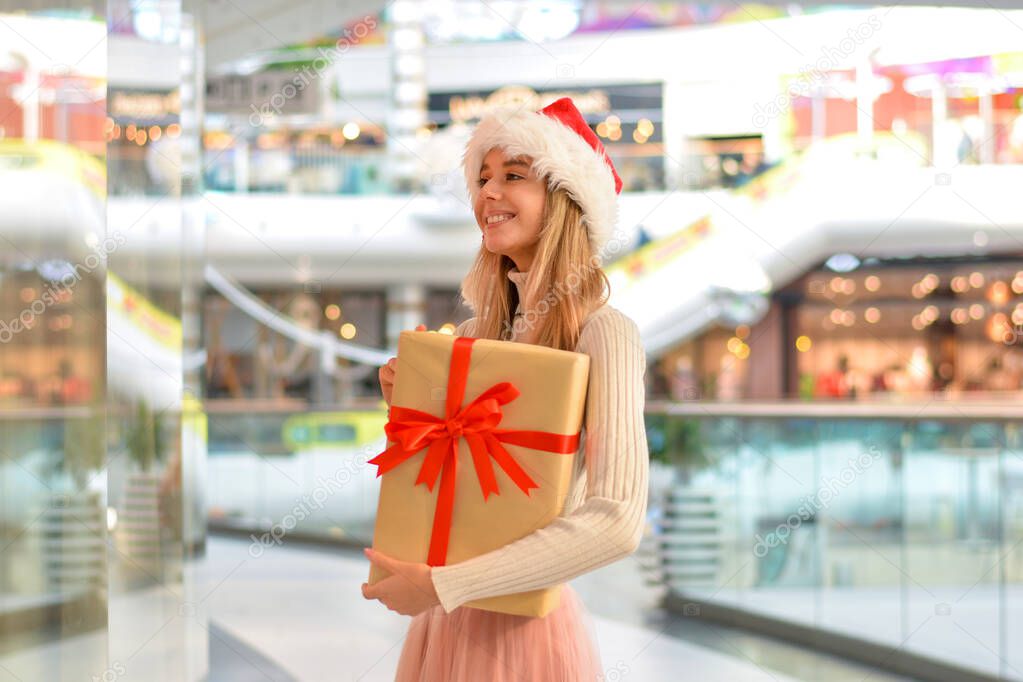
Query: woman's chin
494 245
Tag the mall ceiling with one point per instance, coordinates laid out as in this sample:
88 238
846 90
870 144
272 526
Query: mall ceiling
235 29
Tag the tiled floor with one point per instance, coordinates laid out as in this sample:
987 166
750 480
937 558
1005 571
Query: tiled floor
617 593
294 612
301 609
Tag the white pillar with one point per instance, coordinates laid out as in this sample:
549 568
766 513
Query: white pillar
943 153
241 165
406 48
30 103
987 140
864 106
673 134
406 308
818 114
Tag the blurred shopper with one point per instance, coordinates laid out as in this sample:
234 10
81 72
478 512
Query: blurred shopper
834 384
544 196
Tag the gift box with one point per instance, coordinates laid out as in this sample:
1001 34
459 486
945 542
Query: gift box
482 437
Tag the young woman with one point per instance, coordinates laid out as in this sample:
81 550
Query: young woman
544 195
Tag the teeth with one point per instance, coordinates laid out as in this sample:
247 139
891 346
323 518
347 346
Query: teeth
499 218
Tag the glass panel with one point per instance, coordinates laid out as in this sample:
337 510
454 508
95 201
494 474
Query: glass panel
953 544
301 473
53 494
778 466
902 532
1011 566
158 630
692 503
861 511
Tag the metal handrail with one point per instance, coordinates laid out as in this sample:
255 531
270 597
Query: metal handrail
1009 408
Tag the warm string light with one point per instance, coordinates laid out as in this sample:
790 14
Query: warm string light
140 135
925 286
611 128
351 130
1017 283
738 348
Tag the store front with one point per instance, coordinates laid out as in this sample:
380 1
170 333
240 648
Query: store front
886 330
628 119
897 330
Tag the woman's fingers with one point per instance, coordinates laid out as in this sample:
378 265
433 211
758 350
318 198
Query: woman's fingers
386 376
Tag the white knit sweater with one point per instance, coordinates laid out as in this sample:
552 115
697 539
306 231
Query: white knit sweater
604 516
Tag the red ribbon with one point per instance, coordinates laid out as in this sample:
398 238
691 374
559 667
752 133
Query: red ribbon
412 430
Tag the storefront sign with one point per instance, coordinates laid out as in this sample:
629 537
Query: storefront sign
468 108
136 105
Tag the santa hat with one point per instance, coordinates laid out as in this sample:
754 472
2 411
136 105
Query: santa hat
564 150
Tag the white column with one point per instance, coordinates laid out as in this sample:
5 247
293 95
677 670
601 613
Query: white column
818 114
673 133
864 106
943 153
987 140
406 308
241 165
407 115
30 103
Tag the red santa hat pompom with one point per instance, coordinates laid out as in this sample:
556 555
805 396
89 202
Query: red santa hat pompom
564 150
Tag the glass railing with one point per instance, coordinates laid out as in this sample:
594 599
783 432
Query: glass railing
92 505
291 471
53 524
297 170
901 525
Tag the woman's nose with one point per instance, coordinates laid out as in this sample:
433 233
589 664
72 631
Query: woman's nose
490 191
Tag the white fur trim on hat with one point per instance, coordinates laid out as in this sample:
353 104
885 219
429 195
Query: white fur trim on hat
559 154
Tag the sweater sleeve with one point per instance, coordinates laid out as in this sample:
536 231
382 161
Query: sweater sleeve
465 328
609 524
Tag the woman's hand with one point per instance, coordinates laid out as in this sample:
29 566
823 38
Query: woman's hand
408 590
389 371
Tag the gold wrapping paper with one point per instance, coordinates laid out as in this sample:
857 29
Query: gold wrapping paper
552 385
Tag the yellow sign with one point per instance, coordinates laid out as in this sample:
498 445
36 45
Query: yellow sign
659 254
160 326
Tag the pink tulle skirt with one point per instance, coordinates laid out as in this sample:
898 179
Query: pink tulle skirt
471 645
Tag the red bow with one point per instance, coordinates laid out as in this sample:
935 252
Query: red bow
412 430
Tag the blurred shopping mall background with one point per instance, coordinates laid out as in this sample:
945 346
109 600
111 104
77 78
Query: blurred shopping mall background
216 217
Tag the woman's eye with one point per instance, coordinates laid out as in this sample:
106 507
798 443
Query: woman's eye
513 175
482 181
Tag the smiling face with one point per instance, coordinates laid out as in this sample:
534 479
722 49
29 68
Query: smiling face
509 207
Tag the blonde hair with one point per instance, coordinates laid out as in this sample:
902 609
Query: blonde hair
564 284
